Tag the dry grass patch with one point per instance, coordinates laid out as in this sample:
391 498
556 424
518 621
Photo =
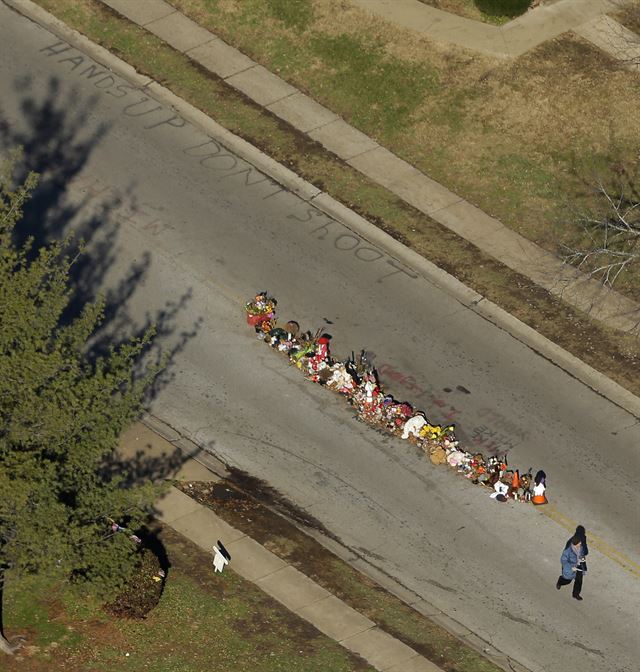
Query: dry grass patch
526 140
629 16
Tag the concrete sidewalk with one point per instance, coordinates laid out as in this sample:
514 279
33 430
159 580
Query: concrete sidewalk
507 41
186 516
614 39
253 562
379 164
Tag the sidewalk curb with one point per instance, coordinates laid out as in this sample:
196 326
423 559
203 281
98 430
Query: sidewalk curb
278 578
466 296
383 167
190 449
313 611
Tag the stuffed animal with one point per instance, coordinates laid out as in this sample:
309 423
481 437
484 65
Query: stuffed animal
455 458
500 491
437 454
292 328
371 388
449 442
340 380
413 426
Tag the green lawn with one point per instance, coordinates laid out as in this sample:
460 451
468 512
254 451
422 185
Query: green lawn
204 621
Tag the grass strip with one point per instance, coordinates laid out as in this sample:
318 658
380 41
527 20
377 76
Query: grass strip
615 354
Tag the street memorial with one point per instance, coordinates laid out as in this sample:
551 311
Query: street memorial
356 379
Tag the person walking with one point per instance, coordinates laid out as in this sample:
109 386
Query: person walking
574 564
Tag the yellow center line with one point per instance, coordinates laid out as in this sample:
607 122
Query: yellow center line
595 542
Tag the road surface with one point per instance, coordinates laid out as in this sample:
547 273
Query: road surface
197 231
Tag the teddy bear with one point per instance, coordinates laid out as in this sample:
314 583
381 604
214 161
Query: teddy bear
413 426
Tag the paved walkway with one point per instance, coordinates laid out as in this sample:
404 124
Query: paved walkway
379 164
266 570
586 18
613 38
507 41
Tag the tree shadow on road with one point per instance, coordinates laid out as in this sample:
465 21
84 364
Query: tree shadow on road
59 129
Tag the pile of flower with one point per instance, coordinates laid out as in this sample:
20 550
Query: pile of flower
357 380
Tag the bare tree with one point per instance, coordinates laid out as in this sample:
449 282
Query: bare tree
612 241
624 35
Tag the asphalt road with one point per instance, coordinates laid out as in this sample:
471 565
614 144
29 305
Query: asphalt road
187 232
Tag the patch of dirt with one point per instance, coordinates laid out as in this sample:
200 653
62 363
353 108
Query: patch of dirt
142 592
266 494
303 632
97 634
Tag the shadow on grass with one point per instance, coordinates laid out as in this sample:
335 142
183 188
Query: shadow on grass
496 9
